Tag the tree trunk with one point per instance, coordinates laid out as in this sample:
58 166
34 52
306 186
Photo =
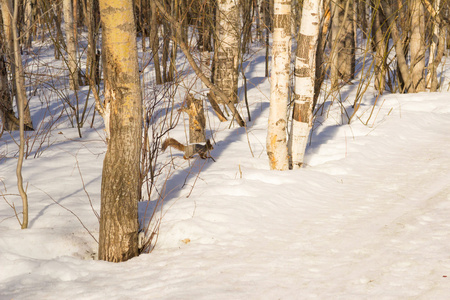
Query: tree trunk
347 40
21 100
204 25
417 46
258 8
437 60
166 47
142 22
305 70
196 119
336 45
28 16
92 71
399 49
9 28
265 8
56 14
121 175
246 7
361 16
321 45
279 87
9 41
71 44
379 41
6 105
227 48
431 78
173 54
154 43
75 20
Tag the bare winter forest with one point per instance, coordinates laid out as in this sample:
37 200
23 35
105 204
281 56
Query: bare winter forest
125 106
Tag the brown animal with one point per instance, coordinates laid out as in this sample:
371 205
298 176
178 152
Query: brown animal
189 150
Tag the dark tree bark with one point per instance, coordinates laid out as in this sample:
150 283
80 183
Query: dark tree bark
154 42
346 56
10 122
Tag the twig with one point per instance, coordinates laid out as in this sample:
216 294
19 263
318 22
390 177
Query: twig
79 220
87 194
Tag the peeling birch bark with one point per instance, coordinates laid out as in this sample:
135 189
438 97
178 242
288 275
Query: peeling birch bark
305 70
279 87
227 47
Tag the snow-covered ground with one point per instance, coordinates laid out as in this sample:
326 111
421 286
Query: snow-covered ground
366 218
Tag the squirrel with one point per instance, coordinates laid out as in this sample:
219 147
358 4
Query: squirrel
189 150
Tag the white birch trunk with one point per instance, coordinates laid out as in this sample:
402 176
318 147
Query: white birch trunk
279 86
227 58
71 46
305 70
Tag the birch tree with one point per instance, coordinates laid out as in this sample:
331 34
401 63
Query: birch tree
227 48
120 190
279 86
304 75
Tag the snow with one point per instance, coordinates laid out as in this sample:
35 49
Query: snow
366 218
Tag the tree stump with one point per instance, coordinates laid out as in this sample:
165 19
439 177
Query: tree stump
196 119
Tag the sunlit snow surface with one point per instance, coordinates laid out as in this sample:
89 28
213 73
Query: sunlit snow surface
366 218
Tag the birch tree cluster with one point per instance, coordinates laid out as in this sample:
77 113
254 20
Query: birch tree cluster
403 41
